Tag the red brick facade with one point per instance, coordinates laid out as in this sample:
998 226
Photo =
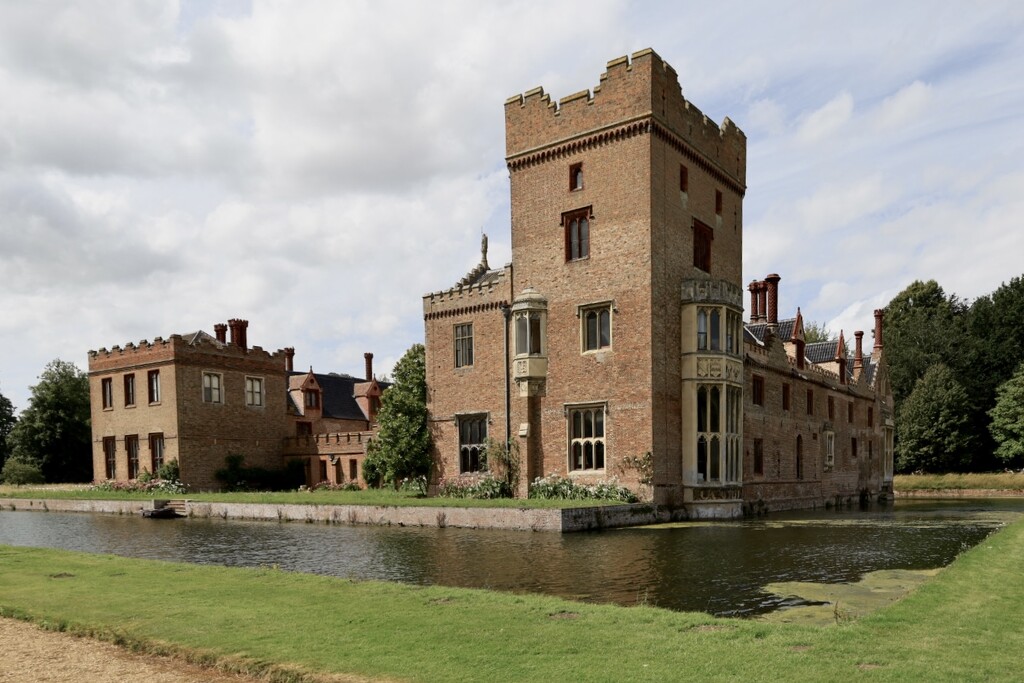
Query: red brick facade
199 398
626 232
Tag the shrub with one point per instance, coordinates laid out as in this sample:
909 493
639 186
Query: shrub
236 477
555 486
480 485
19 472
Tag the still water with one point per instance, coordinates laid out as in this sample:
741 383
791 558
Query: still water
713 567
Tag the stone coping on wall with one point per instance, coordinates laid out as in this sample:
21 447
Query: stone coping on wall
515 519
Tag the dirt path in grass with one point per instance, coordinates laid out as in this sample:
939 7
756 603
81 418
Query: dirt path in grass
29 654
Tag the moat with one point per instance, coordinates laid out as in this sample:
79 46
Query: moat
718 567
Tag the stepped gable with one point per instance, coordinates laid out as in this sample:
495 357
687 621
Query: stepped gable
474 292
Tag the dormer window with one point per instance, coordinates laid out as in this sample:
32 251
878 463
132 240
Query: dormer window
312 397
576 177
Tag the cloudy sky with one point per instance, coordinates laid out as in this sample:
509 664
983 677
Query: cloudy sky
316 168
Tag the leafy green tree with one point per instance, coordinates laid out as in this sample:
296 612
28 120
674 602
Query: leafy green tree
53 431
1007 425
816 332
923 327
933 425
7 422
402 446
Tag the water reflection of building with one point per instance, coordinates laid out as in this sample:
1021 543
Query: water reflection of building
197 398
617 329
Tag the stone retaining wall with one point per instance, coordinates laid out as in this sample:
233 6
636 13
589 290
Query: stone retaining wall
517 519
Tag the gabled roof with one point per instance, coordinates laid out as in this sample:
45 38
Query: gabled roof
820 352
338 394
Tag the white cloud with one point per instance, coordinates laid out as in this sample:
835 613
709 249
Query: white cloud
827 121
316 168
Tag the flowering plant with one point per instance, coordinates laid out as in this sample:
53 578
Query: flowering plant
556 486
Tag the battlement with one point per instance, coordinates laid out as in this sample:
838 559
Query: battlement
176 347
638 88
492 290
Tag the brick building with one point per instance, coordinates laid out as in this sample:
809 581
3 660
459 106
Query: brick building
617 329
197 398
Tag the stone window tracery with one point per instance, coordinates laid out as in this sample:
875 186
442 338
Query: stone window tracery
597 327
587 437
472 439
718 451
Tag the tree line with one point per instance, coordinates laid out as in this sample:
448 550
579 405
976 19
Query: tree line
51 439
957 373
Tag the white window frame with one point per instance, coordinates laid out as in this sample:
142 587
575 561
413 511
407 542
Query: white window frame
254 392
212 393
830 450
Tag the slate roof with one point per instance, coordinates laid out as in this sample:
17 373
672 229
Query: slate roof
783 332
821 352
338 394
193 338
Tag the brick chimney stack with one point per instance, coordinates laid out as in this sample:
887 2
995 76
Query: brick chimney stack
238 330
762 298
289 359
879 314
368 358
221 330
755 308
858 353
772 283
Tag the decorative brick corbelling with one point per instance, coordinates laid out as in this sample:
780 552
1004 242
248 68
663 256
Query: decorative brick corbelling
622 131
465 310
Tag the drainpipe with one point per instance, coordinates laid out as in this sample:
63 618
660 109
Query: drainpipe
506 311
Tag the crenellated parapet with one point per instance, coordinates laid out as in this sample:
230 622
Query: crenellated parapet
637 95
179 348
488 291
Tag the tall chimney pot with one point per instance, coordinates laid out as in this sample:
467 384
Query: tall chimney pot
772 281
368 358
289 359
879 314
221 330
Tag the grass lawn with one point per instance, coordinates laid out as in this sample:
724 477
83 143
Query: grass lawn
996 481
963 625
321 497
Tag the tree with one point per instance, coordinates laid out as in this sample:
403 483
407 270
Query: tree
53 432
402 446
923 327
816 332
1007 424
7 422
933 425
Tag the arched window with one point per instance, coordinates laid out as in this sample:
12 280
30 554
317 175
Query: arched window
716 340
702 330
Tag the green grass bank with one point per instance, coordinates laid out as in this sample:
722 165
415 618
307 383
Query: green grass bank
964 625
1009 482
383 497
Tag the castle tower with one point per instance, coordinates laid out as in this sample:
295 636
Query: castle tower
627 221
